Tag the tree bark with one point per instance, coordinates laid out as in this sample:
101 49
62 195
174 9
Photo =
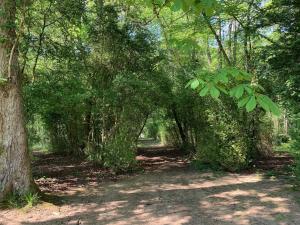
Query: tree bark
208 53
235 43
15 171
180 128
230 41
218 39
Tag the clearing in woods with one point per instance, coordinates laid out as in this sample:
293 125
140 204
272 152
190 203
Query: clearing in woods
168 191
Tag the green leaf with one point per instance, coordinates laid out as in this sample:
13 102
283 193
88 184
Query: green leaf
148 3
273 107
214 92
222 89
195 83
234 72
260 87
263 103
232 92
251 104
177 5
222 76
243 102
188 84
245 76
204 91
208 6
249 90
239 91
159 2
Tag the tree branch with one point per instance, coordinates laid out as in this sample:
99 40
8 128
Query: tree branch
217 39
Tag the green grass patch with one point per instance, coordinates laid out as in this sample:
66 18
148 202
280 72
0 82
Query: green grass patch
27 200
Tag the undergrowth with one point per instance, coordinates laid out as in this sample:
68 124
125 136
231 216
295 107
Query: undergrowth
293 148
16 200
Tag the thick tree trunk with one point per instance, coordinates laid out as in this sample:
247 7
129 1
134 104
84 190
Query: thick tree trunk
15 173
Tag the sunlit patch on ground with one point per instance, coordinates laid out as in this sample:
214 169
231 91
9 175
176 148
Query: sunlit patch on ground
168 193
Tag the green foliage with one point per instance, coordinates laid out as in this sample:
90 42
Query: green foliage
95 72
224 81
119 153
102 84
16 200
2 80
206 6
222 144
201 166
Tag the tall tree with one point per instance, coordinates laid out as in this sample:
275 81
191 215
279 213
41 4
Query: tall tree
15 172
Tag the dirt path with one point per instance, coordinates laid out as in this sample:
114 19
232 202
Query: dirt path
169 192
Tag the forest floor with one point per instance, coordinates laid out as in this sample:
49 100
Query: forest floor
166 191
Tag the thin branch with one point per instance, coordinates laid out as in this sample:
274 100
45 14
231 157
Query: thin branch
258 33
41 36
217 39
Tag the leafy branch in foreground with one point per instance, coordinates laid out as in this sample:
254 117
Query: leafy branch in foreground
235 83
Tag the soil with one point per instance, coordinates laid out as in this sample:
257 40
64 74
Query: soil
166 190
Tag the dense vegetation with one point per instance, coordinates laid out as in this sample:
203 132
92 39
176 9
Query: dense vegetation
201 75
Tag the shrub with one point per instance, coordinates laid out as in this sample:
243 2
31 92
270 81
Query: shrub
119 153
234 157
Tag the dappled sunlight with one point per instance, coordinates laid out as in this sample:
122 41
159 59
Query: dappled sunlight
168 192
244 206
177 197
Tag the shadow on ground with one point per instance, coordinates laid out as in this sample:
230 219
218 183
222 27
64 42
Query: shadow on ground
174 195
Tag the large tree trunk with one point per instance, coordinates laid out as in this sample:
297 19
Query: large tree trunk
15 173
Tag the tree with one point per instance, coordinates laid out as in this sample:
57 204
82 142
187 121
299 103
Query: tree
15 172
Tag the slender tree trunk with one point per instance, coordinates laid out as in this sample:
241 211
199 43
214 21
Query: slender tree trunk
15 172
220 37
142 128
209 59
230 40
285 123
235 36
180 128
247 53
40 45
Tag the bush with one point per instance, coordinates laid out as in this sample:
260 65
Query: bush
119 154
232 157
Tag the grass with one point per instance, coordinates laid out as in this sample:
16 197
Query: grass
280 217
15 200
